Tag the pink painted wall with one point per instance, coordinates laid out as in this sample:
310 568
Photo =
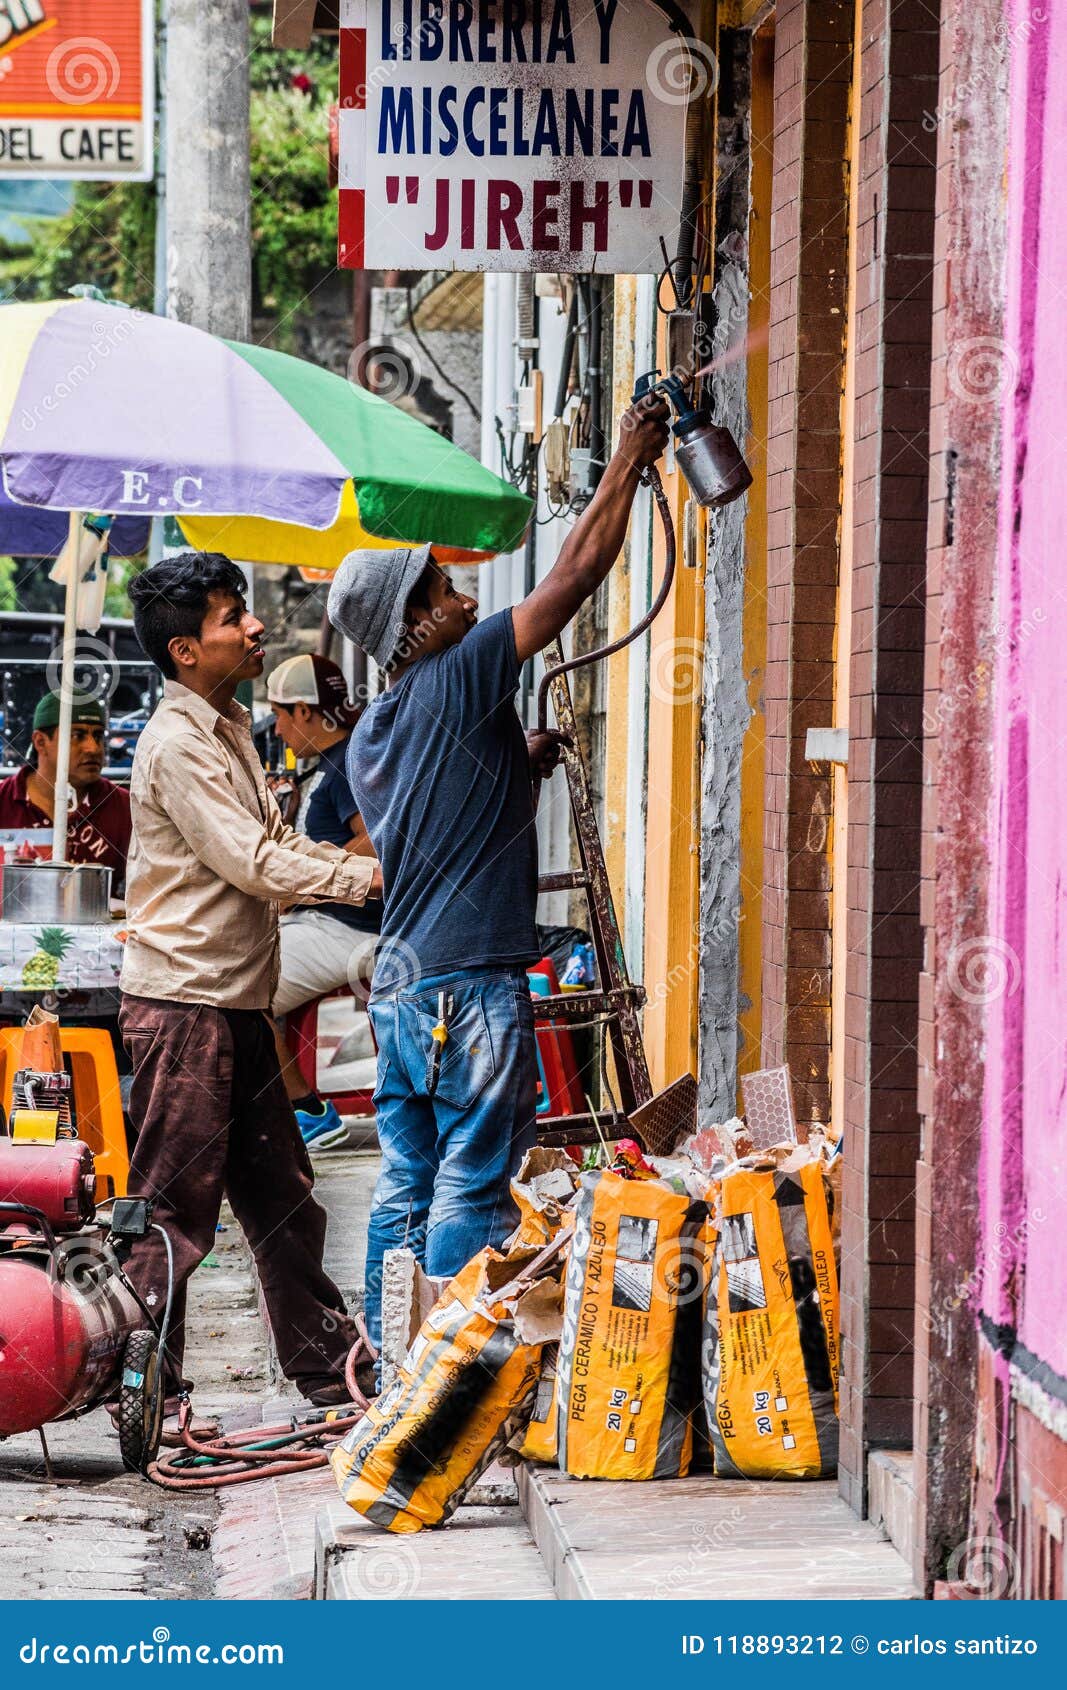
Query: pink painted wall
1024 977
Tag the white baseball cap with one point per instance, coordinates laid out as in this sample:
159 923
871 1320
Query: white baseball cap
311 679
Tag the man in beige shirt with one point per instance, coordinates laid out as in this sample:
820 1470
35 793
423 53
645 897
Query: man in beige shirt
210 864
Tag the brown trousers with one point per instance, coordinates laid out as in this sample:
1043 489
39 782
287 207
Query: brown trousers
213 1120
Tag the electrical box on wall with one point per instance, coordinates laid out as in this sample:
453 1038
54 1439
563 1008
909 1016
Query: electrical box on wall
529 406
583 472
680 327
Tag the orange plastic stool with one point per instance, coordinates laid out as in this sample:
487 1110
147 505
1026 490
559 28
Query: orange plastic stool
97 1098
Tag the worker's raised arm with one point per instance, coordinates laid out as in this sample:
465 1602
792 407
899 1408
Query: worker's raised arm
595 541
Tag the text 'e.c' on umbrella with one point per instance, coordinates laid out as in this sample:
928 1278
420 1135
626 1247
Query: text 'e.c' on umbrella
103 408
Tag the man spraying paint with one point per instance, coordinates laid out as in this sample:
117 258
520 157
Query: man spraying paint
444 779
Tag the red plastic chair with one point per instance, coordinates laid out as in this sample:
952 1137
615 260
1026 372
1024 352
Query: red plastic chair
301 1035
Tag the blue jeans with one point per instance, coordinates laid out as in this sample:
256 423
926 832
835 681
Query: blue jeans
447 1159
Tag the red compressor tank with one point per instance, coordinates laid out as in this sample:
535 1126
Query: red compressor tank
65 1314
65 1317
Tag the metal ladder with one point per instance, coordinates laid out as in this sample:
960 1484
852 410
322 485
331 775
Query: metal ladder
618 997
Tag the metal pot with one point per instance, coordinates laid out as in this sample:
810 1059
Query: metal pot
59 894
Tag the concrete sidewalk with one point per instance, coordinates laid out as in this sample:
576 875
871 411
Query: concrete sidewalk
702 1537
102 1532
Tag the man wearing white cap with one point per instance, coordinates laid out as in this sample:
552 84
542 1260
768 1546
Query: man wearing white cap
330 945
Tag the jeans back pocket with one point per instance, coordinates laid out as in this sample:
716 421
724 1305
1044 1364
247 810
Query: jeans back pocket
467 1059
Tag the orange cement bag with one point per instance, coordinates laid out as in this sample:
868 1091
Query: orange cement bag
770 1361
539 1443
464 1391
541 1190
629 1356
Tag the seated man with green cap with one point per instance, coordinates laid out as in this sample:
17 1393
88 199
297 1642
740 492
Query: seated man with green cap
100 821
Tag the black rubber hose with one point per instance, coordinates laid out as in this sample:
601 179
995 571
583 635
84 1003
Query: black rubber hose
651 479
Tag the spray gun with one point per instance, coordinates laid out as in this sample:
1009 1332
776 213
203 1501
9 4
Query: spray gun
711 461
707 455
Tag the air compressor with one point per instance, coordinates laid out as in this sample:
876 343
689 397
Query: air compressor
74 1334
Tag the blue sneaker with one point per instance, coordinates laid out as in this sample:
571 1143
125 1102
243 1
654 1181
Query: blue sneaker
321 1129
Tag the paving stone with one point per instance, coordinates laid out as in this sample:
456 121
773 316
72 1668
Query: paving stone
483 1554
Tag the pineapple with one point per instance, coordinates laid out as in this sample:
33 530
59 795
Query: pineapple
42 969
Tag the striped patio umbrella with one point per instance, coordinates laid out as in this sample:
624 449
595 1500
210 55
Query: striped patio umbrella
257 454
266 457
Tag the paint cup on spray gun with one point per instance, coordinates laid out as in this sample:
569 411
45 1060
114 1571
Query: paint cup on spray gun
707 455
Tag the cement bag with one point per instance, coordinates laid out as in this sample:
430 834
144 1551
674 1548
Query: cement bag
540 1442
541 1190
629 1356
770 1359
464 1391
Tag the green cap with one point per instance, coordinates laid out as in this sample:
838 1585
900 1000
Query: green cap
86 709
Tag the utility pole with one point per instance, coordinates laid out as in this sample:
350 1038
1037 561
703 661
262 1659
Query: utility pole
208 178
209 247
156 540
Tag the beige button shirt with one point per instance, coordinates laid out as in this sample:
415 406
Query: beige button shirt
211 860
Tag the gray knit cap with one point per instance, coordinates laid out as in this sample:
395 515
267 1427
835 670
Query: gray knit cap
369 594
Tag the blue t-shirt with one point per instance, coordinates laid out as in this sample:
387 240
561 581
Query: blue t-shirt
329 815
440 772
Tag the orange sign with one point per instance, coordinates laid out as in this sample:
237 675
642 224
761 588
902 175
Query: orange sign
77 89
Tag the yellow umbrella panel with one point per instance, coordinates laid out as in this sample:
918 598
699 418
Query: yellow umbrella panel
256 539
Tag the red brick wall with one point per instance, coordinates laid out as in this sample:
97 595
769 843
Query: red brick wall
894 260
809 237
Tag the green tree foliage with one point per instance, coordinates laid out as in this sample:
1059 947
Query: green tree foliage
106 238
8 595
294 215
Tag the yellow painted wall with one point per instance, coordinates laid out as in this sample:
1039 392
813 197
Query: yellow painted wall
673 827
672 842
619 618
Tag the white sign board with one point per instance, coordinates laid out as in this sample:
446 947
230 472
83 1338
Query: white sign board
511 134
77 94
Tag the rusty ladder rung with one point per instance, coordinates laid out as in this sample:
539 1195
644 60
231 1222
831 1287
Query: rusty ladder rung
570 880
580 1006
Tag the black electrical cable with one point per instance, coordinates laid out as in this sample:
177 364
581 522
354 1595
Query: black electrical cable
567 359
651 479
681 266
596 385
680 24
425 350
